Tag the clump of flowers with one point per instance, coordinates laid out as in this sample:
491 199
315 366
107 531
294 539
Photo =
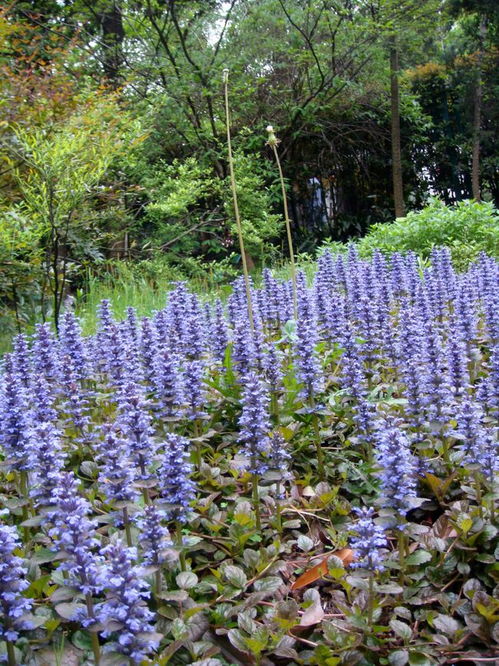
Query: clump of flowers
398 467
369 543
46 461
13 606
154 537
279 457
117 475
176 488
254 423
124 613
308 367
74 539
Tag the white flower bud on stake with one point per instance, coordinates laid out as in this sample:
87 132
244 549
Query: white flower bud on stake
273 142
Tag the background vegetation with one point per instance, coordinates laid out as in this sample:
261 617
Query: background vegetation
112 129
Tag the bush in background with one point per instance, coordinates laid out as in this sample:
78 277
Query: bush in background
467 228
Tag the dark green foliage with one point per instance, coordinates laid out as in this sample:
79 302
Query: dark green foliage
467 228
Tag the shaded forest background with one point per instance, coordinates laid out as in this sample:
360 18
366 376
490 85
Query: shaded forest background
113 129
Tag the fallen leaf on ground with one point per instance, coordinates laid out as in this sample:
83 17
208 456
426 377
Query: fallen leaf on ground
320 570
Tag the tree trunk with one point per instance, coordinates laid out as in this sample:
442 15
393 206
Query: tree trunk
398 192
113 35
477 116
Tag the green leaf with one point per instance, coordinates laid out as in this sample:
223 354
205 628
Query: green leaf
471 586
62 594
314 612
286 650
389 588
401 629
446 624
235 576
418 557
246 623
268 584
179 629
305 543
186 579
44 555
398 658
32 522
51 624
358 582
174 595
464 522
68 610
291 524
237 640
112 659
89 468
82 640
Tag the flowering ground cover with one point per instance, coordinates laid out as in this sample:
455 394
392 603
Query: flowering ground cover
199 488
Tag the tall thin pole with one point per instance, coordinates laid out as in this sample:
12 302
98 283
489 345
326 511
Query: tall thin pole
273 142
234 197
398 190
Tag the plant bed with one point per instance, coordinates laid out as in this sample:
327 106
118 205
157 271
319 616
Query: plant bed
189 489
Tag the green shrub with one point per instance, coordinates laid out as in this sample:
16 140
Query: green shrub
467 228
190 212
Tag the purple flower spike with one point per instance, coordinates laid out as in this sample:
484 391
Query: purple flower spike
46 461
272 292
13 606
368 545
168 386
134 421
254 423
279 456
75 404
74 537
176 489
154 538
43 400
21 359
149 347
194 388
71 344
45 353
308 367
124 614
486 454
15 419
117 475
272 366
398 467
243 352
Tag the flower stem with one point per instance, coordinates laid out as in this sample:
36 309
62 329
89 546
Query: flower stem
23 482
11 655
126 523
274 408
158 584
478 493
278 517
93 634
273 142
370 601
180 545
401 548
318 444
256 502
198 458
